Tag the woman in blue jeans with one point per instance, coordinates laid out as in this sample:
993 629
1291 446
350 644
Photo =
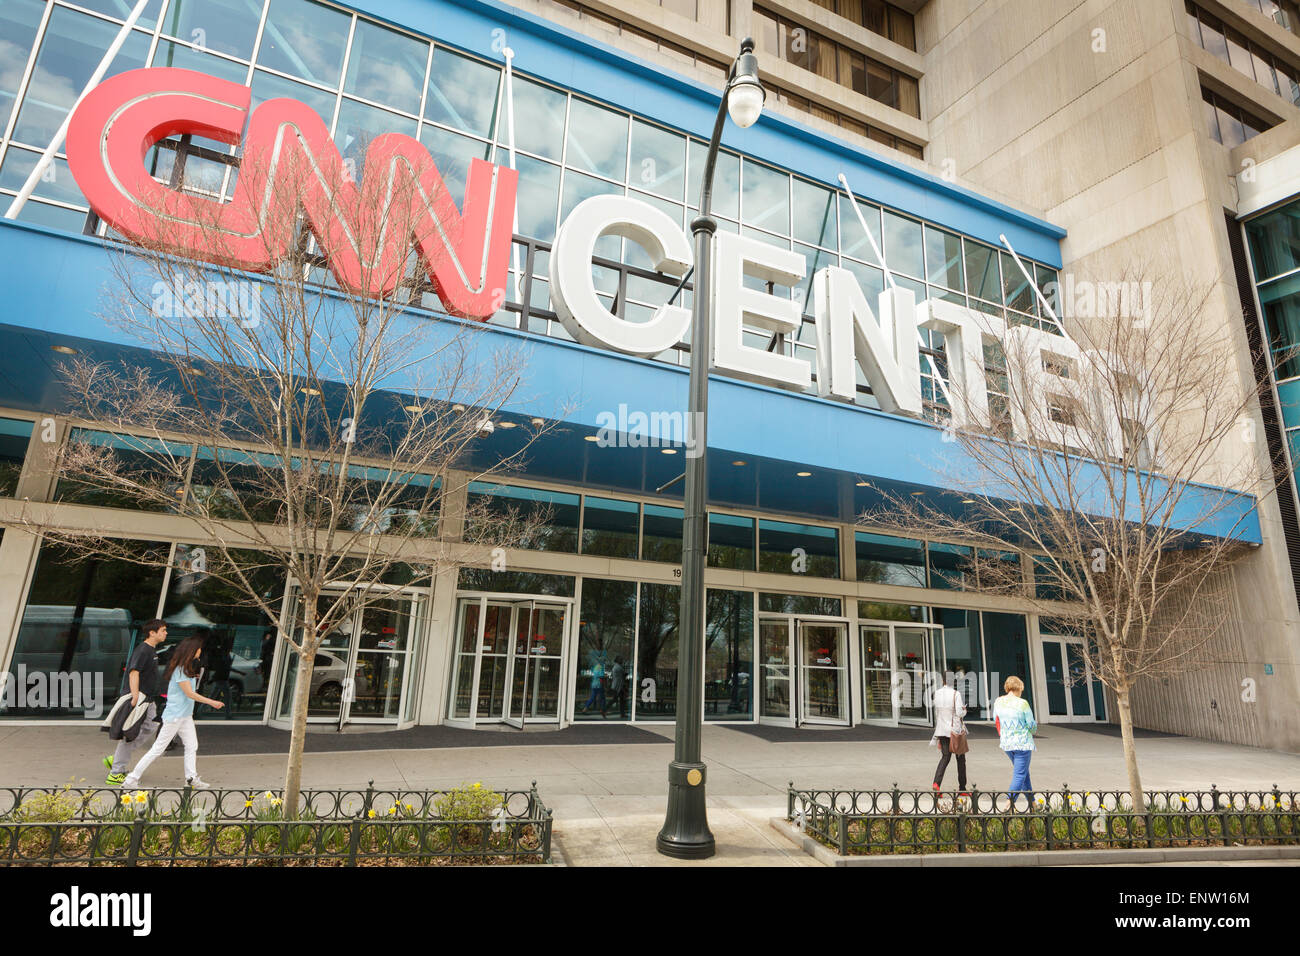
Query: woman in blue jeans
1016 726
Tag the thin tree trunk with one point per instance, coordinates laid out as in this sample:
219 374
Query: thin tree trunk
1130 752
301 697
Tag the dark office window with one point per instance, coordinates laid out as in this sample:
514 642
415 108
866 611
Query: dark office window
556 510
609 527
605 640
661 535
152 463
788 548
1006 644
731 542
14 437
883 559
729 655
657 652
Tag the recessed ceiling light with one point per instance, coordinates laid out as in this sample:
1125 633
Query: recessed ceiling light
414 409
738 463
803 474
64 349
310 391
590 438
197 371
917 494
864 484
968 501
668 451
506 424
458 407
539 421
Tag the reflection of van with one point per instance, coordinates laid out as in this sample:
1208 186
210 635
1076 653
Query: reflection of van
102 641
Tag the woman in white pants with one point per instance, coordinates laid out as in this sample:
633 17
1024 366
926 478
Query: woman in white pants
178 715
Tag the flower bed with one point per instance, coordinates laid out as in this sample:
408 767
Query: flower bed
896 821
472 824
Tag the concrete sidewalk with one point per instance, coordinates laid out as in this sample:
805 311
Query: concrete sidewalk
609 798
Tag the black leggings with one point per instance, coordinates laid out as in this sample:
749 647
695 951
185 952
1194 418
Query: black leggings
943 765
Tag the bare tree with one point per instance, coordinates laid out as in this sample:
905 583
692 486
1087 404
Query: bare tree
1122 459
333 427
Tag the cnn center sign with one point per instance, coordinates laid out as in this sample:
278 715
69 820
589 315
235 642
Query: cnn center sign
465 248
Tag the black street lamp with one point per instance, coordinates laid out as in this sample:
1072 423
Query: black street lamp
685 833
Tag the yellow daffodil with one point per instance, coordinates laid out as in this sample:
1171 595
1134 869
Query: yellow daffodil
392 810
276 801
267 795
371 814
141 797
126 799
410 809
247 804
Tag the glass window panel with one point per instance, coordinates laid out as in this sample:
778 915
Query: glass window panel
799 604
359 124
150 463
766 198
515 582
656 655
121 9
19 20
53 217
870 279
788 548
661 534
238 640
726 180
83 616
658 160
386 66
982 277
1019 294
72 47
903 247
1281 304
606 625
1212 37
943 258
731 542
597 140
853 240
559 532
305 39
463 93
1006 643
15 433
182 56
452 153
538 198
236 485
964 655
56 183
1230 127
885 611
1050 286
268 86
814 214
951 567
728 655
542 131
226 26
883 559
609 527
1238 54
1275 242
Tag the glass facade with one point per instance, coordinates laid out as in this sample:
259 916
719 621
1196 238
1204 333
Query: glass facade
1245 56
1273 240
365 78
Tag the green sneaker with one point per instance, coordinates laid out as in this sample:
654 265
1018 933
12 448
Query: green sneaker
108 762
115 779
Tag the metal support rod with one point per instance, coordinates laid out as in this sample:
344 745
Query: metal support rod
889 277
1030 279
508 85
47 157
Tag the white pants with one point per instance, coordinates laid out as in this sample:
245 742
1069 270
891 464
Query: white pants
185 728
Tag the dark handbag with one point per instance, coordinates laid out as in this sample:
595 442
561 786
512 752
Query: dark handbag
959 743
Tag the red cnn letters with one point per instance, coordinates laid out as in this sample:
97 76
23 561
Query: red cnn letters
289 164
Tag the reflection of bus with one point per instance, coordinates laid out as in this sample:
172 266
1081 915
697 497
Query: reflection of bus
103 640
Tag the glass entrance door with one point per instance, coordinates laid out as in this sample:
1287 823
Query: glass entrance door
902 664
509 662
776 671
1066 673
360 673
823 656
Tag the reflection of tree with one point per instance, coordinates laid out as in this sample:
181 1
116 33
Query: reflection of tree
660 605
728 619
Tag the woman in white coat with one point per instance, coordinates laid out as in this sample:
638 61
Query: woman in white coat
949 709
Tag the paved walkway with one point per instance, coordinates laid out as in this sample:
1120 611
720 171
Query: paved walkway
608 798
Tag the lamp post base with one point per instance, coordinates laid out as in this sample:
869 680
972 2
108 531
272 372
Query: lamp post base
685 834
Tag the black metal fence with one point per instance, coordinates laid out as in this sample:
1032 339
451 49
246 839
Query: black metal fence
855 822
49 826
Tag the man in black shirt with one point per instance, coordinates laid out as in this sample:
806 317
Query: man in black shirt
141 679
